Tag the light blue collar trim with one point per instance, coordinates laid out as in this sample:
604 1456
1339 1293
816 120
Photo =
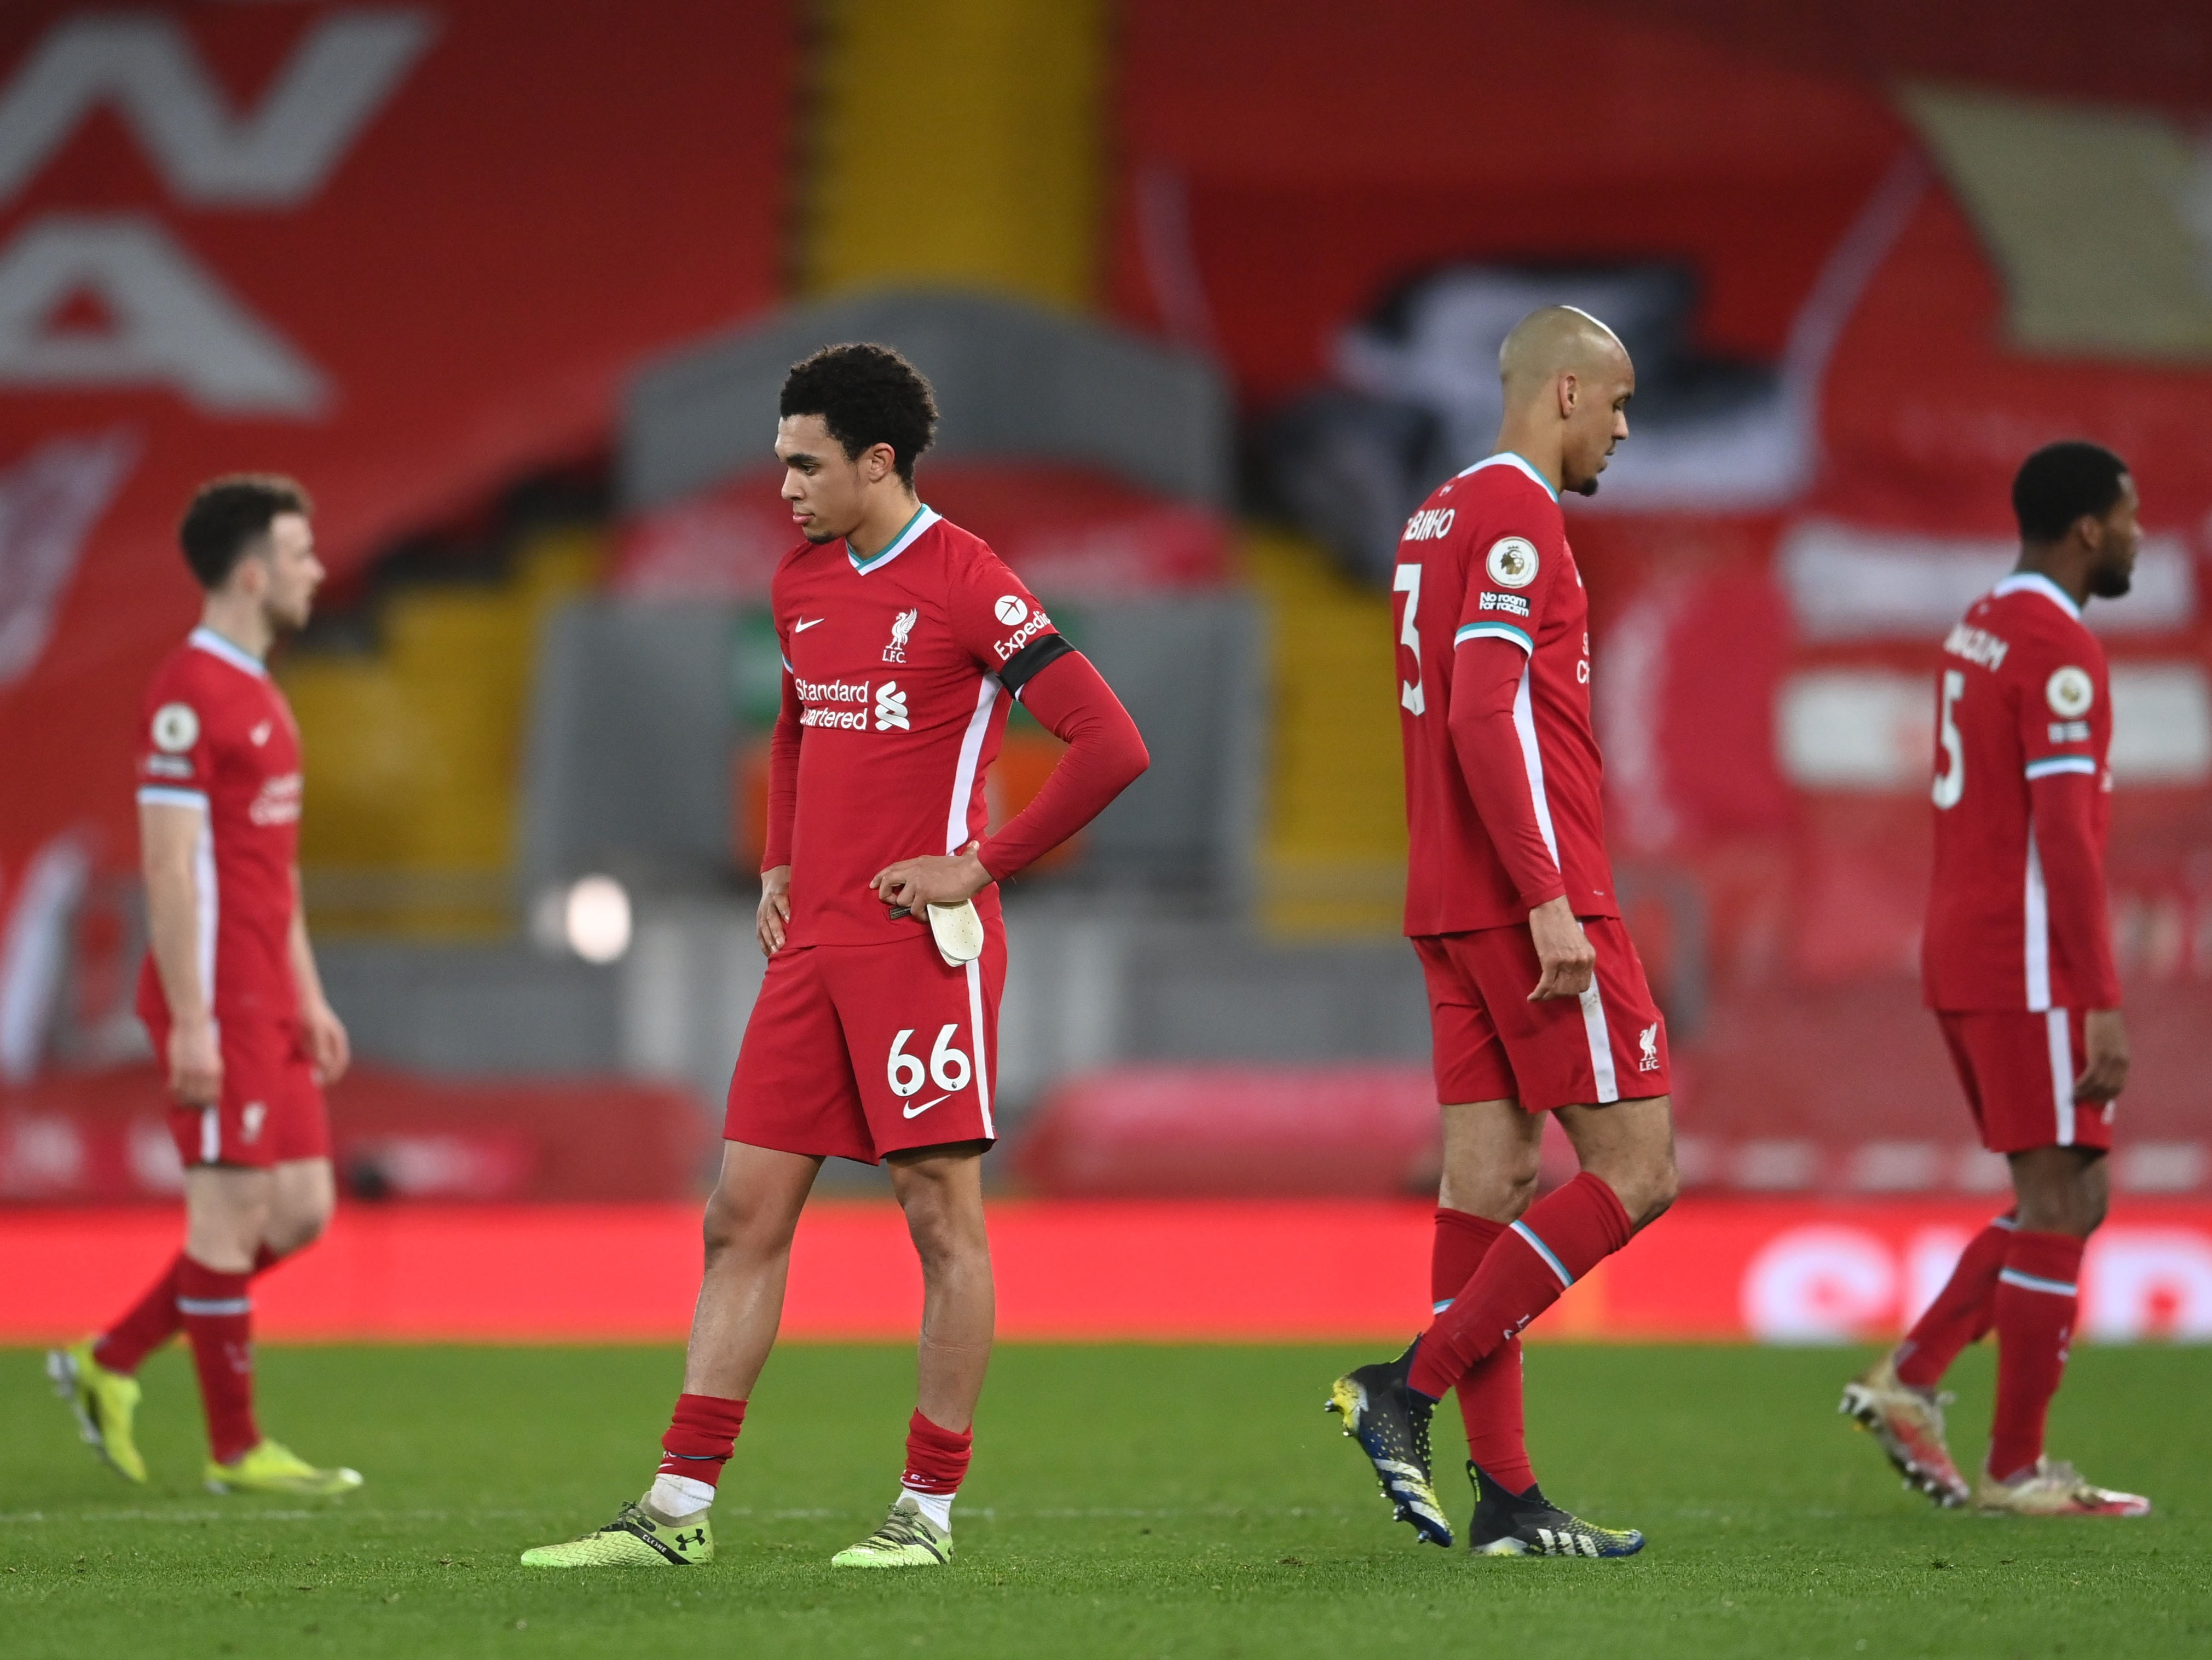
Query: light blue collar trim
1507 458
2034 581
924 517
237 656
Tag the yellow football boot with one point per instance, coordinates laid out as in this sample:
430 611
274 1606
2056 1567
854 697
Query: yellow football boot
632 1540
104 1402
272 1467
908 1539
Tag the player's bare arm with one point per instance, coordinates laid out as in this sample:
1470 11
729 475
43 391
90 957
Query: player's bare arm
1562 951
771 920
2105 1035
328 1045
168 835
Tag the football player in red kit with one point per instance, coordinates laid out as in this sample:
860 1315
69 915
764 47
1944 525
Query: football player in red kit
229 991
905 643
2017 964
1537 1003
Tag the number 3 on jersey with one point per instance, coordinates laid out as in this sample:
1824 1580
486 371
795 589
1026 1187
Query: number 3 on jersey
1951 782
1409 635
948 1067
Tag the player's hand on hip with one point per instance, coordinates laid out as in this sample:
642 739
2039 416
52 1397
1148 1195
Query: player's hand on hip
195 1063
775 908
1562 951
932 879
2106 1074
329 1050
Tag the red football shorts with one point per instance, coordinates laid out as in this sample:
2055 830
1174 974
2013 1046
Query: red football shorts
1492 1043
856 1051
2019 1070
271 1110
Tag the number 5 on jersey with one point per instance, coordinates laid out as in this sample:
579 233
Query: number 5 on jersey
948 1067
1951 782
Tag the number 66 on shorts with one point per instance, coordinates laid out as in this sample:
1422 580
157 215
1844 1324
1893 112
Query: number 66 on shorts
948 1067
857 1051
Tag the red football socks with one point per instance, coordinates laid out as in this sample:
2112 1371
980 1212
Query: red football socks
1489 1394
936 1458
154 1320
2034 1303
702 1436
1564 1236
218 1318
1962 1312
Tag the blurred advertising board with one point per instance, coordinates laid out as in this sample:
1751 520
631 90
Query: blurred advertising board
1185 1271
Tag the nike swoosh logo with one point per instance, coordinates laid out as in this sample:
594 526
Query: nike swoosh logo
801 628
916 1112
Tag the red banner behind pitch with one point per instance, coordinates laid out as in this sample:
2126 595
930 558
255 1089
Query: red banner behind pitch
401 251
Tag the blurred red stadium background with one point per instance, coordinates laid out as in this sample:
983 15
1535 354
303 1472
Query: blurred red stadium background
416 253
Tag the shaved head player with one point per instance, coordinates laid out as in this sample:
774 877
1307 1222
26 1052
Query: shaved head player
905 643
1537 999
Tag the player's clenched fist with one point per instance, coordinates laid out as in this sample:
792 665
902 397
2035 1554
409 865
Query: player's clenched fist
329 1050
195 1064
932 879
775 908
1562 951
2106 1074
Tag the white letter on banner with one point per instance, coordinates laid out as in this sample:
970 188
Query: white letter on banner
343 70
174 325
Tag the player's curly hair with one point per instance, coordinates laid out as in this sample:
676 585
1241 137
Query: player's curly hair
866 395
228 515
2062 482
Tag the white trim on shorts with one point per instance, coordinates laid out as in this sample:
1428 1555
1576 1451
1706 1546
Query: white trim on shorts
975 1029
1599 1039
2061 1041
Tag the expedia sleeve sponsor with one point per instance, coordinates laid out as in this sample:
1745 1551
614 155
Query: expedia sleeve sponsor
1033 622
996 619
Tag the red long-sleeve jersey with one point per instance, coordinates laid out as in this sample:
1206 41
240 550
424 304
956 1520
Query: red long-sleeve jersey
1502 776
900 671
2017 914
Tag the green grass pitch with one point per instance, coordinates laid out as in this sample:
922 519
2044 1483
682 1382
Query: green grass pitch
1126 1500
